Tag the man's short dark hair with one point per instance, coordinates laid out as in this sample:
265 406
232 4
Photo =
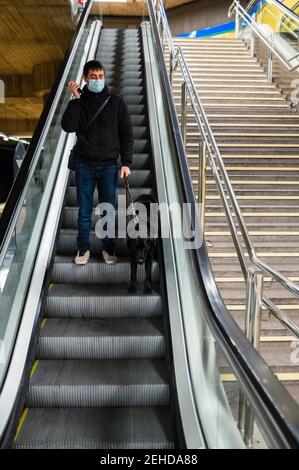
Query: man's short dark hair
92 65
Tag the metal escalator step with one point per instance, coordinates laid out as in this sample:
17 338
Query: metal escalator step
99 383
71 199
128 338
106 301
97 272
138 121
100 428
114 64
122 69
128 90
138 178
130 75
67 245
131 99
69 222
136 109
110 55
124 82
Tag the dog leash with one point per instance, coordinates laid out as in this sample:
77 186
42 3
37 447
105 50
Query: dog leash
130 200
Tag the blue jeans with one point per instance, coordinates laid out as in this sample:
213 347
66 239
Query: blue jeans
87 178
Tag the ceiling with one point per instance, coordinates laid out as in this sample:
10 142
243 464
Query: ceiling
34 36
131 7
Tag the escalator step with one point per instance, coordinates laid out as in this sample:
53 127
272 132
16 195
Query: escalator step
138 178
67 246
95 301
100 428
71 199
101 376
97 272
99 383
128 338
69 222
129 75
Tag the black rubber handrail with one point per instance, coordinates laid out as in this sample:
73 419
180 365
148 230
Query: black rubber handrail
277 410
288 8
23 173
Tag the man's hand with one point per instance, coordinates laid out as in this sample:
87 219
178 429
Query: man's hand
124 171
73 86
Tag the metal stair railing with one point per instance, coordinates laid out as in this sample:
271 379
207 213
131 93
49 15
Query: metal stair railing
208 150
242 14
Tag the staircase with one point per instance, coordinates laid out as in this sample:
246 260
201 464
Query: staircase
258 136
101 376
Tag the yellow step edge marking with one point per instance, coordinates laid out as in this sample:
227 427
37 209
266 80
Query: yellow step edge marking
277 339
245 144
276 116
21 422
252 105
282 376
253 156
258 198
33 368
230 98
241 279
50 286
44 322
247 124
256 214
233 87
242 134
273 182
253 233
250 168
235 307
265 255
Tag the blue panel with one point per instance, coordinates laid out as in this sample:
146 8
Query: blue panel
213 30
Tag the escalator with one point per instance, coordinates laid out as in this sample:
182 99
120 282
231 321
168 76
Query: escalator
86 364
101 379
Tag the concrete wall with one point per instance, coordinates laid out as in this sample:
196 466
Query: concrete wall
198 15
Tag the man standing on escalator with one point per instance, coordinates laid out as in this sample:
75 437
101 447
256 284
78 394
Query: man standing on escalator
104 131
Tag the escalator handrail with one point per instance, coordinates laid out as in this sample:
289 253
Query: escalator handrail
10 212
276 409
287 11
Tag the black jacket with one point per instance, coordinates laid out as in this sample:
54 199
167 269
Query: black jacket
110 134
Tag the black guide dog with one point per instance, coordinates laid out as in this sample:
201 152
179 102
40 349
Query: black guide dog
143 247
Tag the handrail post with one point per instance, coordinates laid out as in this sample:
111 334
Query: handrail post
254 294
202 181
171 68
252 39
184 112
270 66
237 20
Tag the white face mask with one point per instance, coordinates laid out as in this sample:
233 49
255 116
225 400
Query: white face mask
96 86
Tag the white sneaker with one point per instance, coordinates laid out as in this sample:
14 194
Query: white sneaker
109 258
82 257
